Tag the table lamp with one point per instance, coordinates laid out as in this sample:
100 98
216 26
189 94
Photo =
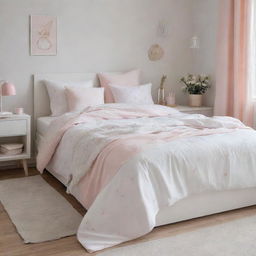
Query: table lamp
6 89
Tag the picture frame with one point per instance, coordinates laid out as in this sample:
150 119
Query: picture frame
43 35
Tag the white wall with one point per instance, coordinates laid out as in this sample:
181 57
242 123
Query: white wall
205 26
95 35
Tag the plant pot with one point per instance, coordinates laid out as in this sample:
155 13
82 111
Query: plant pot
195 100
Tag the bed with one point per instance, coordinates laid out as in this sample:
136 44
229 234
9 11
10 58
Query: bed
189 207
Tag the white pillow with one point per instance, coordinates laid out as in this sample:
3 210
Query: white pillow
135 95
78 98
56 92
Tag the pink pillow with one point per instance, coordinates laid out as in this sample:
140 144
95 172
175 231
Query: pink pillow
131 78
80 98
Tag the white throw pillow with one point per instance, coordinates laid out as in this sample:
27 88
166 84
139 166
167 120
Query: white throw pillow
135 95
79 98
56 92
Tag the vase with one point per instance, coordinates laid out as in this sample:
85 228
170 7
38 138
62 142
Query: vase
195 100
160 97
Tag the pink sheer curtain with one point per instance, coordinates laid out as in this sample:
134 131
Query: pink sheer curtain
233 83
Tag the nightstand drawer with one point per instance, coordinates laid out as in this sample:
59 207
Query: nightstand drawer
13 128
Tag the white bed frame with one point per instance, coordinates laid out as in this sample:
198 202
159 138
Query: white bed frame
188 208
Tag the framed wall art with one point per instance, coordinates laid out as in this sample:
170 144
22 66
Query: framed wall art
43 35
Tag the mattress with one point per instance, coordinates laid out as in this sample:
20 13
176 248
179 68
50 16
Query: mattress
43 123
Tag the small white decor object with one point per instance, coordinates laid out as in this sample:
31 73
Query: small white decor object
194 43
43 35
19 111
11 149
195 86
162 29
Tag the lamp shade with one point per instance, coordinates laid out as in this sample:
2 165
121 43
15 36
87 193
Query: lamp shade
8 89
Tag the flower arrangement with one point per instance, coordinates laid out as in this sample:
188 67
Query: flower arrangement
195 84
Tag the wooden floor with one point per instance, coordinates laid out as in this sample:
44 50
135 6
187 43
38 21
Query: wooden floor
12 245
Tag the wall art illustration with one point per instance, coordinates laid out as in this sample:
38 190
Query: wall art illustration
43 35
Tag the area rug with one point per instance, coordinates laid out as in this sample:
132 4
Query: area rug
37 210
234 238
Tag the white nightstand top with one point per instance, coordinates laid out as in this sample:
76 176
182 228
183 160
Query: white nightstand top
14 116
188 108
207 111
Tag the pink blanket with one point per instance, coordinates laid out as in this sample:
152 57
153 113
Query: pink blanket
119 151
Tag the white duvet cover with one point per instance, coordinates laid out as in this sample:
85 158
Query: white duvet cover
193 154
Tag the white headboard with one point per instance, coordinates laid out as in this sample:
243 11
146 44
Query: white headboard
41 98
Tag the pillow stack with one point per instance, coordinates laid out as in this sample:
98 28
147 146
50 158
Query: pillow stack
128 79
69 97
115 88
125 88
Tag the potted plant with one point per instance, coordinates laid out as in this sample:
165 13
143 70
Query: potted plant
195 86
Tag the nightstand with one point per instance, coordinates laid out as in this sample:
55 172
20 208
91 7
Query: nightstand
16 129
207 111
